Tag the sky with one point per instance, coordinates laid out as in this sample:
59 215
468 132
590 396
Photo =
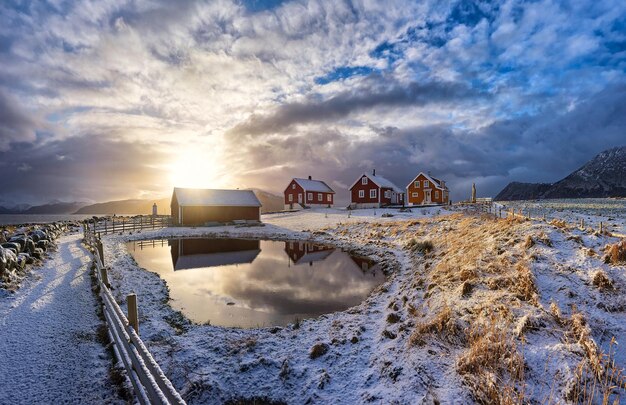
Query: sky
113 99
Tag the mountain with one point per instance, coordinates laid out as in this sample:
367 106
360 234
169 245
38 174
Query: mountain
270 203
54 208
603 176
127 207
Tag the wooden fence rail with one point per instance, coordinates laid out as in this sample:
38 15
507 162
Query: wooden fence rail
151 386
536 214
129 224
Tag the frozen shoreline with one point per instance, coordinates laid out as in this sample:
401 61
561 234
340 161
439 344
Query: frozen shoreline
212 364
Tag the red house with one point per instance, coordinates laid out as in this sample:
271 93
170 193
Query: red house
372 191
426 189
306 193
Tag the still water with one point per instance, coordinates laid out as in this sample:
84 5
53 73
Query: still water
253 283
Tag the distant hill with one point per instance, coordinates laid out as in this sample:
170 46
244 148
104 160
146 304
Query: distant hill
603 176
270 203
55 208
127 207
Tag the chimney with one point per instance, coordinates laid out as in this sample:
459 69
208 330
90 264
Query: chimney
309 177
374 172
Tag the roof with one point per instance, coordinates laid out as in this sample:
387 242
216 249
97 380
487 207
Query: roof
432 179
213 197
379 181
314 185
215 259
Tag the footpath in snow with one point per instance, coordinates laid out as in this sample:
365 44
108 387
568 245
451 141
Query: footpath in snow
48 347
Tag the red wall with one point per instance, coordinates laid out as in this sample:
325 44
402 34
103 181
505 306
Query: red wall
305 196
354 193
420 192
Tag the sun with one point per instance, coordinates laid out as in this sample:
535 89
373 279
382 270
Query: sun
196 169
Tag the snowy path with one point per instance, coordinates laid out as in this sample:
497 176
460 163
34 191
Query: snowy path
48 348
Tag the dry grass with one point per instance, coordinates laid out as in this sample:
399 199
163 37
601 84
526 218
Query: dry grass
559 223
616 253
442 324
493 366
602 281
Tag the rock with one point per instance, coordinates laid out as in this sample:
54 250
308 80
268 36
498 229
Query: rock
14 247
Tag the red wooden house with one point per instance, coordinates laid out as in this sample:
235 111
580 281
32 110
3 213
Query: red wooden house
303 193
425 190
372 191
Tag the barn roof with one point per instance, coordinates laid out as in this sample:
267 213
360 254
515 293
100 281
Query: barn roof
213 197
314 185
379 181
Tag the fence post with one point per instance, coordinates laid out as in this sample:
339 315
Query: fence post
123 224
100 250
133 315
105 227
601 227
104 275
582 223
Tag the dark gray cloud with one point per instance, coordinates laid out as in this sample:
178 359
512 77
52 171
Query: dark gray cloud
542 148
375 91
15 124
80 168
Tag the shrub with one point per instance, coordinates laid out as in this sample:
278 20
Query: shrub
319 349
617 252
423 247
602 280
393 318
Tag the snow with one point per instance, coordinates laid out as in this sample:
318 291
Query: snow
314 185
380 182
48 344
368 358
213 197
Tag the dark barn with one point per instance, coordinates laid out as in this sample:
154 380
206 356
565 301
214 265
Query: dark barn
195 207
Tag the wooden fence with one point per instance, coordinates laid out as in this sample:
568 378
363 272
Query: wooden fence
537 214
129 224
151 386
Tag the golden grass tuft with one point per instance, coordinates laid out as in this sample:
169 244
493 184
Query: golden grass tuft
602 280
559 223
617 252
493 366
442 324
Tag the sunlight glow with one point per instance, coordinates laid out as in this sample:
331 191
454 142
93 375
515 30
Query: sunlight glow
197 169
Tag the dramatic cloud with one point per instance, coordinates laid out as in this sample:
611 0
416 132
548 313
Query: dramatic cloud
117 98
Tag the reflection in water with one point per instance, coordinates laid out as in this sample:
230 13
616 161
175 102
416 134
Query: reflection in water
249 283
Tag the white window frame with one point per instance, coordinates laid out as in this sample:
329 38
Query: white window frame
417 184
387 194
309 196
415 194
426 184
364 181
320 197
361 193
329 197
293 186
290 197
436 193
373 193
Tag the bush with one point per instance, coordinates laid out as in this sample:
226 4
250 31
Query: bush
318 350
423 247
393 318
617 252
602 280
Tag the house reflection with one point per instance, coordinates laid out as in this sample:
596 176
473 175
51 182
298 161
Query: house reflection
305 252
198 253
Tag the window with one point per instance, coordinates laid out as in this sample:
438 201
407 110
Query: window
387 194
293 186
361 193
320 197
309 196
373 193
329 197
426 184
364 180
436 194
417 184
290 197
414 195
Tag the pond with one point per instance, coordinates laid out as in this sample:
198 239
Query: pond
256 283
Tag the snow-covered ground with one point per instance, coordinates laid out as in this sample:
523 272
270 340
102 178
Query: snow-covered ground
525 291
48 348
611 212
